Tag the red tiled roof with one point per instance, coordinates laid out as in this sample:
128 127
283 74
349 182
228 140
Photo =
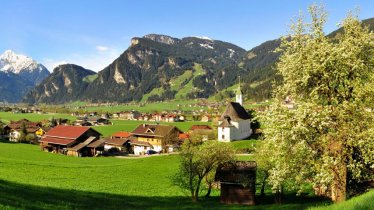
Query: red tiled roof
57 141
67 131
121 134
200 127
184 136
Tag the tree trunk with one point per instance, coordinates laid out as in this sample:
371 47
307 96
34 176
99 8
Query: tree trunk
198 188
263 184
209 190
339 184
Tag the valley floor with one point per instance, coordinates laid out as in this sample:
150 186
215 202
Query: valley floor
32 179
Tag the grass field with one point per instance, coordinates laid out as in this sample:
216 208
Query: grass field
189 86
8 116
130 125
185 105
32 179
362 202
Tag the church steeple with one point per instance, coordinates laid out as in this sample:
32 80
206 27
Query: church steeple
239 95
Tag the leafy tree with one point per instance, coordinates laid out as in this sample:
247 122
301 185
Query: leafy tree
328 136
199 161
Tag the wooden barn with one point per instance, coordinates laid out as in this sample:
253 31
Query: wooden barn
71 140
238 182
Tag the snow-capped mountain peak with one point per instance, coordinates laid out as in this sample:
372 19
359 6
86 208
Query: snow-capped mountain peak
16 63
23 66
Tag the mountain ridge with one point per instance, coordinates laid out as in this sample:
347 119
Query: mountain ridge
149 67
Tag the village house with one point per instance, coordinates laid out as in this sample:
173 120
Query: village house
235 123
98 121
16 128
116 144
129 115
206 118
42 131
117 141
138 147
72 140
161 137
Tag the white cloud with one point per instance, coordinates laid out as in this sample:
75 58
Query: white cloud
102 48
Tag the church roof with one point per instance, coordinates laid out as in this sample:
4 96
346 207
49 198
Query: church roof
236 112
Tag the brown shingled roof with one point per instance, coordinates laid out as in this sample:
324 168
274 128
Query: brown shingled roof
154 130
98 143
236 112
116 142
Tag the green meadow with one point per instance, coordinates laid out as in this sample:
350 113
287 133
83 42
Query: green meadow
184 105
130 125
32 179
9 116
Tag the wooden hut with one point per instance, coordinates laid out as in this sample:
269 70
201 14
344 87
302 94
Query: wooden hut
238 182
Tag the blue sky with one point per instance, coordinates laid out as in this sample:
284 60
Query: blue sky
92 33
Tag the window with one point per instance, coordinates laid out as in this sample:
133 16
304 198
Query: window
223 136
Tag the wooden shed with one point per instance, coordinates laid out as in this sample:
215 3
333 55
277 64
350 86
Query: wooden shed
238 182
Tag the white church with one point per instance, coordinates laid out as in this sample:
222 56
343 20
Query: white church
235 123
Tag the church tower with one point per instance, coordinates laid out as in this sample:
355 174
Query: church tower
239 95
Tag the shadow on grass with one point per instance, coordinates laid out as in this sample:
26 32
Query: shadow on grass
21 196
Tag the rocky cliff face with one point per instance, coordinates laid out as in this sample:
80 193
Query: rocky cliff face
153 60
67 83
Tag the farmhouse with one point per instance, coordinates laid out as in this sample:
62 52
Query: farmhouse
74 139
138 147
16 128
117 144
235 123
161 137
238 182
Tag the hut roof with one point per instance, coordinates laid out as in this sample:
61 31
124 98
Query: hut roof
237 172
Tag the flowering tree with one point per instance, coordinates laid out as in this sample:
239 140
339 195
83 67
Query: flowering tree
198 162
328 137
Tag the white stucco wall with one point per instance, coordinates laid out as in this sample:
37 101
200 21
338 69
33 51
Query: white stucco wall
14 136
240 130
224 133
140 150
